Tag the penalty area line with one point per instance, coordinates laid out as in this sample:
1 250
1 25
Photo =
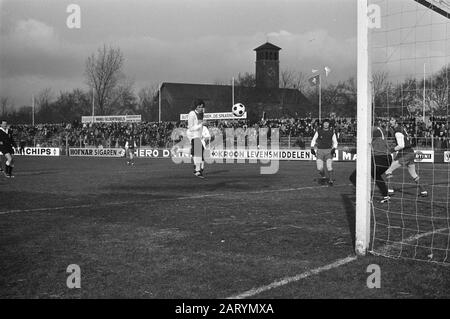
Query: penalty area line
137 202
288 280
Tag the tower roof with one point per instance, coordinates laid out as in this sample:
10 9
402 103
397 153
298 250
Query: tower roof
267 46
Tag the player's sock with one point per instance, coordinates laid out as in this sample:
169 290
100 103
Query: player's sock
10 171
331 173
197 167
202 166
322 179
423 191
7 169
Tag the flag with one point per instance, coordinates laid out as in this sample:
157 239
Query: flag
327 70
314 70
314 80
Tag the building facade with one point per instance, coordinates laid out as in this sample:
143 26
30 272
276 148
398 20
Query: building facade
266 96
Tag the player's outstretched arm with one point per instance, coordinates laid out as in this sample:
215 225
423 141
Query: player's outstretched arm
400 142
335 144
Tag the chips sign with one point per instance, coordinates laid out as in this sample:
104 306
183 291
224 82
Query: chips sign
111 119
97 152
38 151
217 116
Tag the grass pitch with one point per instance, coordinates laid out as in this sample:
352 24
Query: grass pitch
155 231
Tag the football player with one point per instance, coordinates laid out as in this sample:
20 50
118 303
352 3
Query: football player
130 146
405 154
7 146
381 160
194 133
326 140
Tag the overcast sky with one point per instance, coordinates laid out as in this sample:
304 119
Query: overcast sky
191 41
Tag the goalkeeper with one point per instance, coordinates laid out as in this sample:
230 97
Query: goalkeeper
326 141
381 160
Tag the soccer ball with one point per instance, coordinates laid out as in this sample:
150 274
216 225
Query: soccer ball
238 109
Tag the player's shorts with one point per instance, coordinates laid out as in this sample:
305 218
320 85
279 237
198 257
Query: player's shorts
324 154
405 157
6 150
197 148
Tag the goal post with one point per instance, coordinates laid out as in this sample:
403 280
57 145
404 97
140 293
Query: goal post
403 71
364 120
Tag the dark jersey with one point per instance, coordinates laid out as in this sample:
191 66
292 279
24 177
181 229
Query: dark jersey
325 138
380 144
6 141
131 142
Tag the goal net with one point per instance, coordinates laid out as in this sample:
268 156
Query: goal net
408 73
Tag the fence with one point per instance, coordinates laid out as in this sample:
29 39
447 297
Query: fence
65 141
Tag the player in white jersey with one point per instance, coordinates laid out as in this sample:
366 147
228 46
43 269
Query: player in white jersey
194 133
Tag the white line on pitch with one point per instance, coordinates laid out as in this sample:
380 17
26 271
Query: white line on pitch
315 271
31 210
288 280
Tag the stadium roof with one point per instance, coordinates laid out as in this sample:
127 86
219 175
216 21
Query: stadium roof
177 99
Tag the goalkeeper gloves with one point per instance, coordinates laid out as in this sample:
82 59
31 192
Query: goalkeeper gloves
313 151
333 151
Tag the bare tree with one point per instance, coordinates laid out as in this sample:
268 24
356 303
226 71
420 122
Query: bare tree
300 81
148 101
379 82
246 80
287 79
291 79
103 72
123 99
44 98
437 91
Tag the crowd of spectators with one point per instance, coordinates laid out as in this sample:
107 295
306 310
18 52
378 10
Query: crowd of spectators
154 134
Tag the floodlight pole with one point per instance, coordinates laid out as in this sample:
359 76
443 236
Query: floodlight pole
320 98
93 104
423 108
363 146
159 103
232 91
32 109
